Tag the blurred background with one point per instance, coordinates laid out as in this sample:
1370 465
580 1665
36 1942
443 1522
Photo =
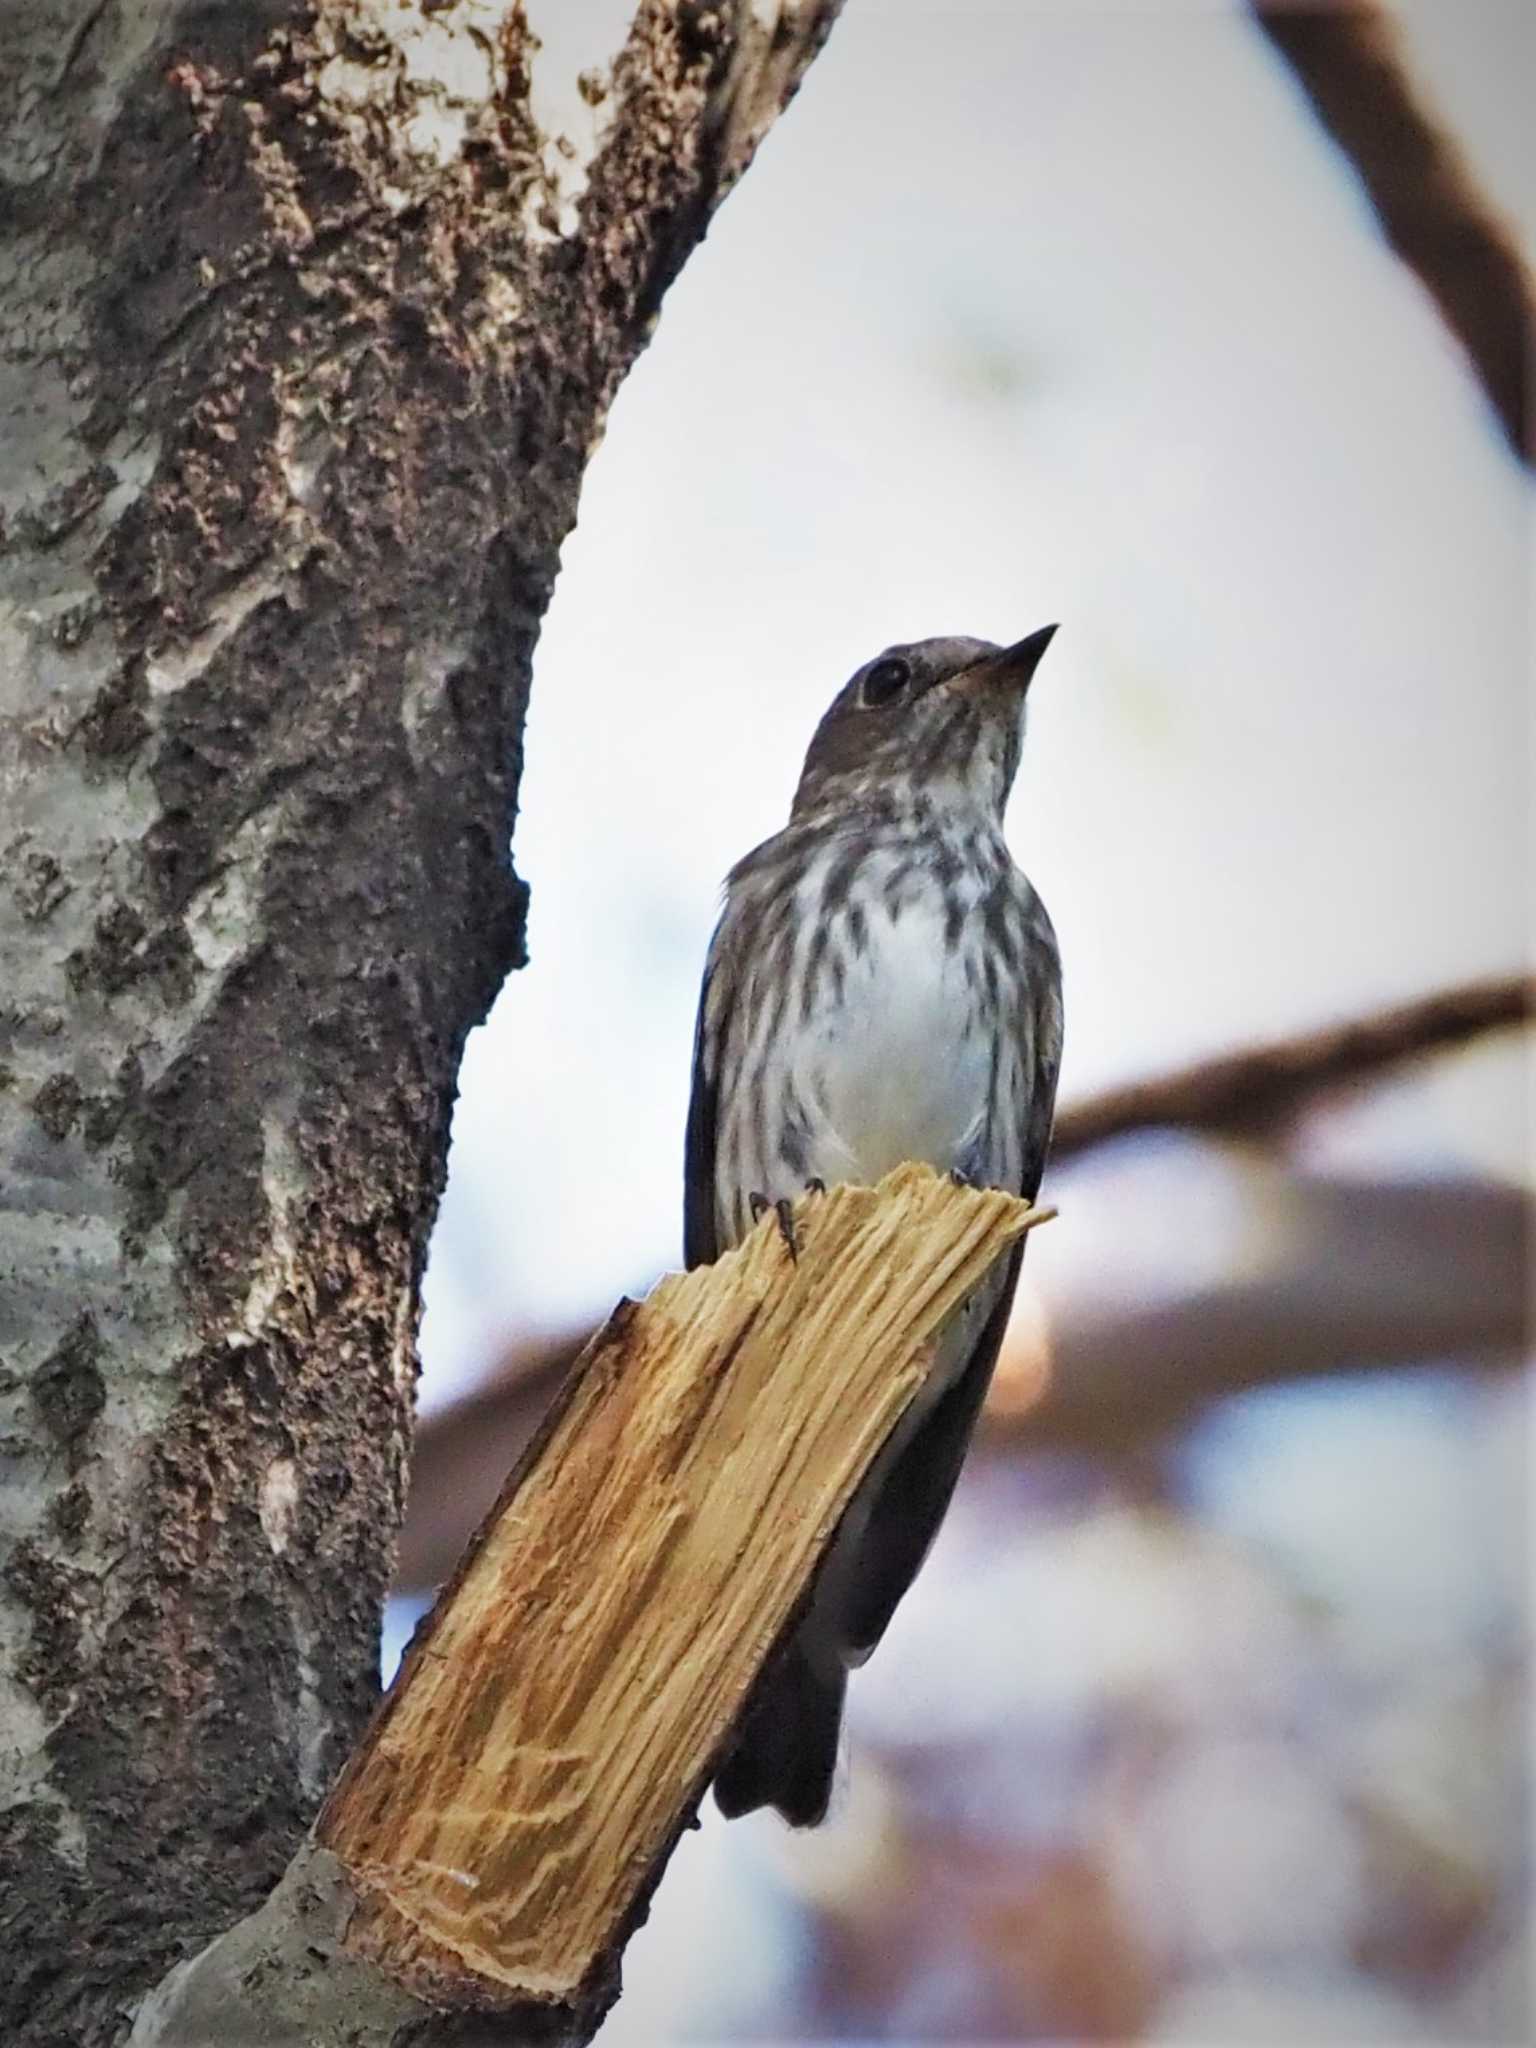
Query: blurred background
1207 1721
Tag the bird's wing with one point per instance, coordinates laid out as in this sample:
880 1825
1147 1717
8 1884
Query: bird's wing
908 1500
1045 1043
912 1496
784 1750
700 1240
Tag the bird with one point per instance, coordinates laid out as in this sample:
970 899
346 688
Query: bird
883 984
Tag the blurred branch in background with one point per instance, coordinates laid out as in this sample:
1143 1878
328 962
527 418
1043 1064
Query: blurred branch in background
1250 1089
1349 1275
1348 60
1332 1273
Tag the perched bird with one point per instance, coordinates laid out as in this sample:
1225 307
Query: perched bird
883 985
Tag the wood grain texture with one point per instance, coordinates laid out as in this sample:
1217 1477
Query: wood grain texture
557 1720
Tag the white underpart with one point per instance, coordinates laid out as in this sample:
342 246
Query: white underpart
886 1067
892 1072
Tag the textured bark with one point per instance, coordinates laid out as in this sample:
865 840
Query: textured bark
499 1832
303 346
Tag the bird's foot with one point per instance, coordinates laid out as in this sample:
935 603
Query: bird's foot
960 1178
815 1185
783 1209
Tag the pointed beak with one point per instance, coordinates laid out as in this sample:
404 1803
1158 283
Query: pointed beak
1016 665
1003 678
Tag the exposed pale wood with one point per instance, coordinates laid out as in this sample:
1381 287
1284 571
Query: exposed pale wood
555 1723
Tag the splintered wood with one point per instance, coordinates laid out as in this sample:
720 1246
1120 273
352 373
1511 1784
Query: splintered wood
555 1722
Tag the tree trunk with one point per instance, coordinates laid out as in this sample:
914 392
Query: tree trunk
303 347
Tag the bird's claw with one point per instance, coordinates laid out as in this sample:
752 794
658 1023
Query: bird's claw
815 1185
783 1209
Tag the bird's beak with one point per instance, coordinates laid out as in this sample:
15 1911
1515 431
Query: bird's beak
1017 664
1012 671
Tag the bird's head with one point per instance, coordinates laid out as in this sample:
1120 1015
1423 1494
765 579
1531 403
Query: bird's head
940 718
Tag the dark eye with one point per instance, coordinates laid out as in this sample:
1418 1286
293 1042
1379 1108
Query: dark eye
887 679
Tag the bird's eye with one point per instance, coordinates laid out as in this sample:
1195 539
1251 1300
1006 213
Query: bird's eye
887 679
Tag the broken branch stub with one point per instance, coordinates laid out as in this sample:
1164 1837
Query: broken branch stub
555 1722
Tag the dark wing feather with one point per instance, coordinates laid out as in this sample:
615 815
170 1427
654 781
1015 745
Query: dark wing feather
784 1751
700 1243
914 1494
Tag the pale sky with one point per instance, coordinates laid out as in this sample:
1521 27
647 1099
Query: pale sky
1022 314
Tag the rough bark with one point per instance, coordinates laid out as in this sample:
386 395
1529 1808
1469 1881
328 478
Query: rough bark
304 340
499 1832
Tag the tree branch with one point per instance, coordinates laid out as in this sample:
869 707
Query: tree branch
1347 58
697 89
498 1833
1260 1083
1341 1276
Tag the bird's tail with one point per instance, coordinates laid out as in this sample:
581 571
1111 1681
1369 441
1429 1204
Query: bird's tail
784 1753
